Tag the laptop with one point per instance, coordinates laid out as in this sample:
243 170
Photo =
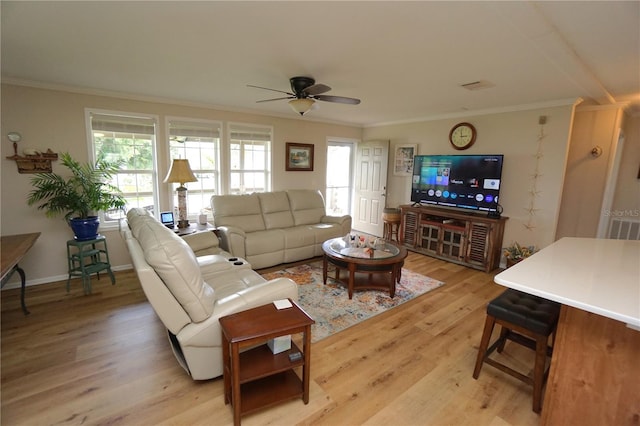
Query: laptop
167 219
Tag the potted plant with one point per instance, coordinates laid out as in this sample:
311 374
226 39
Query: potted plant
516 252
80 196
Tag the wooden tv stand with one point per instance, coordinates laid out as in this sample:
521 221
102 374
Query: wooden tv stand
473 240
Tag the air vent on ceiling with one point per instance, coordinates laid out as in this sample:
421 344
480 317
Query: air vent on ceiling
478 85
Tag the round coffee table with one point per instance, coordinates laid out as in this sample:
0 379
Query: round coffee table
378 268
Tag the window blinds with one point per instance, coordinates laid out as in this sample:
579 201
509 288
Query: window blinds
122 124
250 133
194 130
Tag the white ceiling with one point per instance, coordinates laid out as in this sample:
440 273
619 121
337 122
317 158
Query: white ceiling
405 60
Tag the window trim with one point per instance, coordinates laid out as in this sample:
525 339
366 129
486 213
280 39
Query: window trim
226 152
91 154
167 134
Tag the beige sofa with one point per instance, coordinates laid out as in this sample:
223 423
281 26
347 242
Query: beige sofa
190 291
270 228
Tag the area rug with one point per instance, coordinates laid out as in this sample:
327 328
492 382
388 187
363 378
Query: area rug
329 304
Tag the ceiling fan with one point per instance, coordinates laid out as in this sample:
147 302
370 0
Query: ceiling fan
304 93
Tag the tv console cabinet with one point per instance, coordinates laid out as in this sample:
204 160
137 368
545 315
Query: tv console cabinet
469 239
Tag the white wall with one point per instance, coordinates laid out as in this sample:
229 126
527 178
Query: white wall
586 177
513 134
56 119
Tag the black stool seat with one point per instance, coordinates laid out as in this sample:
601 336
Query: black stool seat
524 319
531 312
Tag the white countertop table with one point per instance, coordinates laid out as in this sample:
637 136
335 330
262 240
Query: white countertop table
596 275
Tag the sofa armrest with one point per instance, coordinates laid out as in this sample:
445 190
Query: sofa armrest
232 240
203 243
341 220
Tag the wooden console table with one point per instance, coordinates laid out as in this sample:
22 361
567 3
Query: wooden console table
469 239
13 248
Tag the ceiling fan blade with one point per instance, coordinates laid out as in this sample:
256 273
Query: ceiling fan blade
338 99
273 90
316 89
276 99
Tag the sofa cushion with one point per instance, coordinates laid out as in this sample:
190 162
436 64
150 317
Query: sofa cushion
264 242
177 266
242 211
275 210
299 236
213 264
307 206
232 282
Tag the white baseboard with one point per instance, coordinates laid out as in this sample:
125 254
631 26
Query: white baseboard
46 280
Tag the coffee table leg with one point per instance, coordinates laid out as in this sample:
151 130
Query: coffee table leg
392 284
352 278
324 269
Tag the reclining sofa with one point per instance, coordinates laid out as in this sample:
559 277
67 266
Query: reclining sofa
190 290
271 228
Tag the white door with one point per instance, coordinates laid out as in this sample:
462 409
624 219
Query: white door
372 159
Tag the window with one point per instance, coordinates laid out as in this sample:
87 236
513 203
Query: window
198 142
130 138
249 159
339 186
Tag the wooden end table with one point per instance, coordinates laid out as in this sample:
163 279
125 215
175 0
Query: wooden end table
256 378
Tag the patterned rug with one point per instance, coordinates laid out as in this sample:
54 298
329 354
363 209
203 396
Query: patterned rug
329 305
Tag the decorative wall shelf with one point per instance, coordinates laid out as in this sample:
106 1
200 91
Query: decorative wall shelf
40 163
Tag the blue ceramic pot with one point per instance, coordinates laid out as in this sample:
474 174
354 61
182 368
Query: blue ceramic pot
85 228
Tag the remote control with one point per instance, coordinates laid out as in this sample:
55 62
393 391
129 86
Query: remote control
295 356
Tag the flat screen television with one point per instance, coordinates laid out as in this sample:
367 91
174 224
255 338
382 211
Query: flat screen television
470 182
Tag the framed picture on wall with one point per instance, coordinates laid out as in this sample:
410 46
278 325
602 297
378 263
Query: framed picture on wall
403 159
299 157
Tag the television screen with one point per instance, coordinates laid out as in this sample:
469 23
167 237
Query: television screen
462 181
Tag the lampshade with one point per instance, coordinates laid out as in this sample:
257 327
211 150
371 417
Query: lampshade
180 172
301 106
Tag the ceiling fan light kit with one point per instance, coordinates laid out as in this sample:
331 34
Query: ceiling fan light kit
301 106
305 92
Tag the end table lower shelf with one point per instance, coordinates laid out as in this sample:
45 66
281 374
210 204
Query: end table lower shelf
270 390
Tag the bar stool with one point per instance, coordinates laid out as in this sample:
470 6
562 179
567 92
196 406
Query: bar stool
527 320
391 222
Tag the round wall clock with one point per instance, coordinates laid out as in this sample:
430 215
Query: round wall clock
462 135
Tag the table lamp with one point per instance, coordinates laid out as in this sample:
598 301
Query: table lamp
180 172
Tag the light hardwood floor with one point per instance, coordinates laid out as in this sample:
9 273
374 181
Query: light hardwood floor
105 359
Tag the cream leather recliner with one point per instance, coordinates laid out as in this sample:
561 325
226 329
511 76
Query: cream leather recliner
190 293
